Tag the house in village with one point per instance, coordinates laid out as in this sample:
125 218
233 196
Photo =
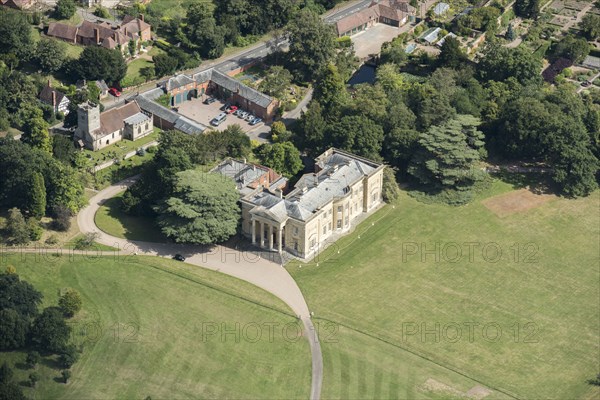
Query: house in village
389 12
96 130
58 100
321 206
104 34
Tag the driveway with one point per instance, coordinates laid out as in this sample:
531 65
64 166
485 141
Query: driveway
262 269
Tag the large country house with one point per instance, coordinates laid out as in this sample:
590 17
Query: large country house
322 204
103 33
390 12
97 130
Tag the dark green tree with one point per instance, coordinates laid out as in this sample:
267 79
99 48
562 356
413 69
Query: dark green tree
68 356
97 63
312 44
500 63
37 205
164 64
312 127
359 135
66 375
590 26
33 358
49 331
65 9
13 329
15 34
276 81
34 377
447 156
50 55
18 295
282 157
6 373
330 90
527 8
35 131
510 33
202 210
202 32
573 48
452 55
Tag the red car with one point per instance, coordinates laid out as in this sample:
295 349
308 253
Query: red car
114 92
231 109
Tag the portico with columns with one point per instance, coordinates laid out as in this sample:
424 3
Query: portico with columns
267 233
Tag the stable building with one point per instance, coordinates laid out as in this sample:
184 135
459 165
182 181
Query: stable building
390 12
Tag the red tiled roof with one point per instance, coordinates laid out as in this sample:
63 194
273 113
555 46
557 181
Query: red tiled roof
112 120
62 31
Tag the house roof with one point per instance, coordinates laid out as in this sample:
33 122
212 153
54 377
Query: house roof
247 175
102 85
442 40
62 31
357 19
178 81
337 171
136 119
46 95
134 25
235 86
114 119
441 8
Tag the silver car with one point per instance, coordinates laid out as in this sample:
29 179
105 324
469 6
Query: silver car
249 117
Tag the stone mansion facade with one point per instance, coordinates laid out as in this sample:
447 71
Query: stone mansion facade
320 205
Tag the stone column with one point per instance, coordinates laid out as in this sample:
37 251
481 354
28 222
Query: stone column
253 232
279 238
270 237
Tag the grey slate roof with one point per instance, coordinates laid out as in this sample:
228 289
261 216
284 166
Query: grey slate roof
178 81
338 171
180 122
234 86
136 118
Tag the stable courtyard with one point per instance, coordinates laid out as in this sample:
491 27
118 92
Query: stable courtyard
204 113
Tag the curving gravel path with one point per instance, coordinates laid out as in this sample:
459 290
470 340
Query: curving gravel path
259 268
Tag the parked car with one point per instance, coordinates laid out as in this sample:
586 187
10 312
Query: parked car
216 121
256 121
225 106
243 114
209 100
178 257
250 117
231 109
238 112
586 83
114 91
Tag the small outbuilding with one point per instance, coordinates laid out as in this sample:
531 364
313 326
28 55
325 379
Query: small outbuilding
441 9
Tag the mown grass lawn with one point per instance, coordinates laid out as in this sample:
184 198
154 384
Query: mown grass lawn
112 220
145 317
541 295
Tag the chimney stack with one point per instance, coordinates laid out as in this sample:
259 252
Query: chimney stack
97 35
49 82
142 17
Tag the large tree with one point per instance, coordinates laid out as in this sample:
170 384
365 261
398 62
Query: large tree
203 209
500 63
276 81
35 131
447 156
65 9
49 331
330 90
50 55
97 62
590 25
282 157
573 48
527 8
201 32
357 134
17 231
13 330
312 44
452 55
15 34
18 295
37 205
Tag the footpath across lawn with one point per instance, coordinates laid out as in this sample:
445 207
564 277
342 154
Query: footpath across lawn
512 302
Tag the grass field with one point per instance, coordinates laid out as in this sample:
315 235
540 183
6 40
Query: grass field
542 293
145 335
112 220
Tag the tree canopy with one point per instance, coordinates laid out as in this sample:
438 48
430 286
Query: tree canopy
202 210
97 63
